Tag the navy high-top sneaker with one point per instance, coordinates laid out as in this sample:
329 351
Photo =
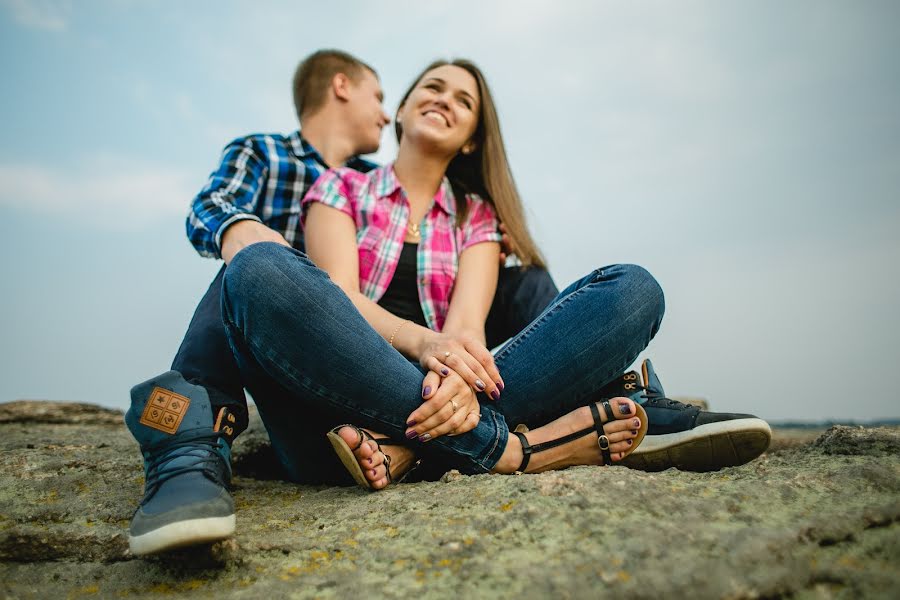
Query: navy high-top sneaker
684 436
187 466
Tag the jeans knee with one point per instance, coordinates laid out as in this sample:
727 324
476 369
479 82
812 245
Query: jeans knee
641 285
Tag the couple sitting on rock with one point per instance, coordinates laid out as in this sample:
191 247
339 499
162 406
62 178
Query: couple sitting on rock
370 296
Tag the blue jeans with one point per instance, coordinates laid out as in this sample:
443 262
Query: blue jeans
311 361
205 356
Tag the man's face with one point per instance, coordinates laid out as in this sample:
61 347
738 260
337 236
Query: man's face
366 110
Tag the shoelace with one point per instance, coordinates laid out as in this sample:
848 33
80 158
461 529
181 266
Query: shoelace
210 463
656 399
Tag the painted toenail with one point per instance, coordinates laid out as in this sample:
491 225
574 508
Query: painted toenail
624 409
637 422
630 442
411 434
445 372
634 432
426 391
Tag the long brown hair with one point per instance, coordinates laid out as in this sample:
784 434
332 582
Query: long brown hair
485 171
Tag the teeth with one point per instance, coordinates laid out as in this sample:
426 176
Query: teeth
436 116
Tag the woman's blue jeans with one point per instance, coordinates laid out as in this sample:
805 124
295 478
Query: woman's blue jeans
311 361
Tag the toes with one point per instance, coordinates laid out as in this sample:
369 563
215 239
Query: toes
376 474
619 436
622 407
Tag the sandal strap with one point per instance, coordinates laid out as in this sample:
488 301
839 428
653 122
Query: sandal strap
527 449
602 441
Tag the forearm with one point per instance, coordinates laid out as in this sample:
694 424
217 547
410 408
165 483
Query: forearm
241 234
467 325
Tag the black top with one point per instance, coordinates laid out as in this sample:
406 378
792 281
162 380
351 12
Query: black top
402 296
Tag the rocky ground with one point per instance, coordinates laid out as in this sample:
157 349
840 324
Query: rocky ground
818 516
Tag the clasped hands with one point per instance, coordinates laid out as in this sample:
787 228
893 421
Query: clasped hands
458 366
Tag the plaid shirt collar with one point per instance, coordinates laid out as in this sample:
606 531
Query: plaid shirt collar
389 184
303 150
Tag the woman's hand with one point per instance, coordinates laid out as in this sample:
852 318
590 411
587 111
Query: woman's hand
450 407
466 355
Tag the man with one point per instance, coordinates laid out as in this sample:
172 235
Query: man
186 419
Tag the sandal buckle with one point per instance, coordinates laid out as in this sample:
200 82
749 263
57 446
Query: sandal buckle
603 442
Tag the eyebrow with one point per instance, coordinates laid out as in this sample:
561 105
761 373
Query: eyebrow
439 80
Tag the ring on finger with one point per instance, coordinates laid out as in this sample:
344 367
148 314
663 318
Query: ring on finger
455 405
447 355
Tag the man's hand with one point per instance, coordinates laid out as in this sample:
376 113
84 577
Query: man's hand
507 247
241 234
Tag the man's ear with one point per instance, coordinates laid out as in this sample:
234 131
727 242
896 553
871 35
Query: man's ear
340 86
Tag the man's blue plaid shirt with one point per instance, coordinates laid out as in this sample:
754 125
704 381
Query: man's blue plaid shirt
261 177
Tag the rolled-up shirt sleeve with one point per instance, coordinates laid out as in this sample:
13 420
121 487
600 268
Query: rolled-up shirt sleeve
231 194
481 224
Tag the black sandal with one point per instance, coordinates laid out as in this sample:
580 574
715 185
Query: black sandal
602 440
345 453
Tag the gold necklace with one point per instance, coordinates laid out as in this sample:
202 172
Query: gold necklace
413 230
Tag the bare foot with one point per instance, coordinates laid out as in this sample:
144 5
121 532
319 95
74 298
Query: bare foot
582 451
372 459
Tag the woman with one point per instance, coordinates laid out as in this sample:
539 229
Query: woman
414 248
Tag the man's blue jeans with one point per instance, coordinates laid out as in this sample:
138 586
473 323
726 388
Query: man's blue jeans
311 361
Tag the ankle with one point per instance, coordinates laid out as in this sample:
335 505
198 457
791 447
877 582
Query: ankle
511 458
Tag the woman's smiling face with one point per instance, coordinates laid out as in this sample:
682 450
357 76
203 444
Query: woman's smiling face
442 109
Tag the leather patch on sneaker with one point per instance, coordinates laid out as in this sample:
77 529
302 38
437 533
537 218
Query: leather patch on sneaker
164 410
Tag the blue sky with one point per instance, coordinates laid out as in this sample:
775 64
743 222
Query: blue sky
748 154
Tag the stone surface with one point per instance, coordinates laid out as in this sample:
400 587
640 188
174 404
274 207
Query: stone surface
814 518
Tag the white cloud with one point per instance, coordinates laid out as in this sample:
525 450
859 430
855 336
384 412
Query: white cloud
48 15
106 192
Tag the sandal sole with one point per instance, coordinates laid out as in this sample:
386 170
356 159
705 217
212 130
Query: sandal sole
345 453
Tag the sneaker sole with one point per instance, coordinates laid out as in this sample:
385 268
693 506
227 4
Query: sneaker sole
182 533
705 448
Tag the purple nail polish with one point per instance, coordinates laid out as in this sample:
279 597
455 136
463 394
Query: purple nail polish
426 391
424 437
479 384
500 385
495 395
445 372
411 434
412 423
625 409
634 432
637 422
630 442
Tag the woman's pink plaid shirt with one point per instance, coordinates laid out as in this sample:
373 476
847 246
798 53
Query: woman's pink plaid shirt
378 205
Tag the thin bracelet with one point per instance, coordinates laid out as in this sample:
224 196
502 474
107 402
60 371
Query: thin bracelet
396 329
